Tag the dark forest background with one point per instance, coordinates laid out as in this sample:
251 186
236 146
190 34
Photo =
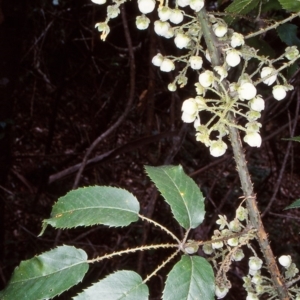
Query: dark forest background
61 88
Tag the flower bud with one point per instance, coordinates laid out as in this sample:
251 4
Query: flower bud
200 90
190 106
164 13
255 263
291 52
253 139
172 87
169 33
257 279
217 148
257 104
217 245
235 225
176 16
161 28
221 292
267 71
183 3
279 92
157 60
246 91
242 213
233 242
237 40
206 78
219 29
146 6
207 249
113 11
142 22
167 65
238 255
221 71
196 62
99 1
196 5
233 57
181 40
251 296
285 260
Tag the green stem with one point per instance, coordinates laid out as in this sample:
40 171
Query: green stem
246 183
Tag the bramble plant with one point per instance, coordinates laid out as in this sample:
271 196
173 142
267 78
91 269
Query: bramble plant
229 72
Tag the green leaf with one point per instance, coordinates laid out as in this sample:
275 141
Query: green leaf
125 285
295 139
47 275
295 204
288 34
270 5
191 278
181 193
242 6
291 5
94 205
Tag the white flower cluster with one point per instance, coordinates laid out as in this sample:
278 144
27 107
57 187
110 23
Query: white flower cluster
225 243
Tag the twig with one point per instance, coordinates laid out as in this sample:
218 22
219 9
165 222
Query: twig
128 105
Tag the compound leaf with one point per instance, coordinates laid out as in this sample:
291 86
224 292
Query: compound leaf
122 285
47 275
181 193
191 278
94 205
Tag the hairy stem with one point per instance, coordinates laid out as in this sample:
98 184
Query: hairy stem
243 172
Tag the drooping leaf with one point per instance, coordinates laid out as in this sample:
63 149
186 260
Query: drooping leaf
295 204
288 34
242 6
181 193
191 278
122 285
47 275
290 5
295 139
94 205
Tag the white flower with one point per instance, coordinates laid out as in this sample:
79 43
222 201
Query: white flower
253 139
279 92
221 292
164 13
217 148
200 90
142 22
251 296
235 225
267 71
181 40
285 260
233 57
255 263
176 16
196 5
246 91
167 65
257 103
220 29
189 110
196 62
183 3
157 60
241 213
169 34
99 1
146 6
206 78
172 87
113 11
221 71
257 279
237 40
291 52
161 28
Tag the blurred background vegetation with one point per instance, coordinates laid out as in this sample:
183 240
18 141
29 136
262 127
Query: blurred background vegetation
61 87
